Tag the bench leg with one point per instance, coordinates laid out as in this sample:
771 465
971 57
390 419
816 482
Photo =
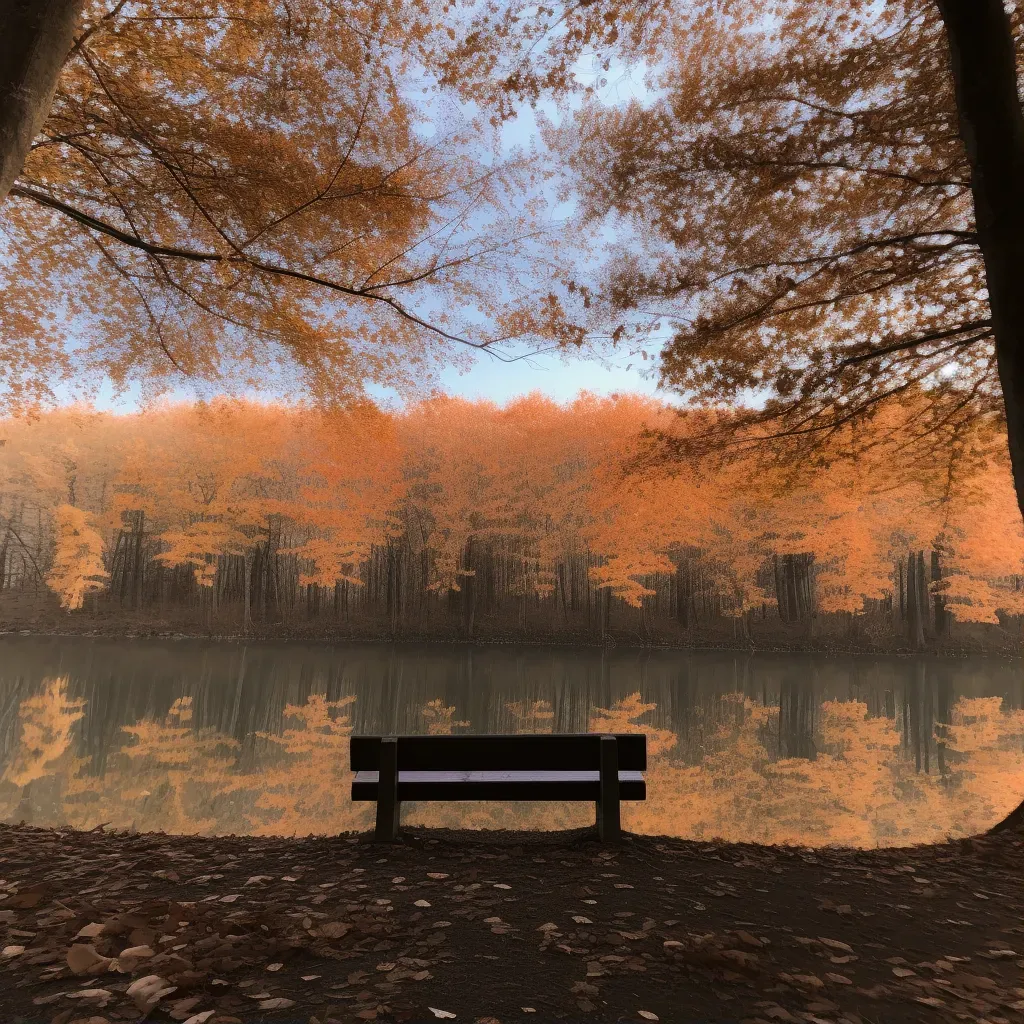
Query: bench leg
608 826
388 806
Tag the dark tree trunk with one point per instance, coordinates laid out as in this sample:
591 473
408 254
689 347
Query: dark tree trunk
984 66
35 38
938 601
683 594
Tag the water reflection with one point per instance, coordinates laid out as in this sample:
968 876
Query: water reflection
186 736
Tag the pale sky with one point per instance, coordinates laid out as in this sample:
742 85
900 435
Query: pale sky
560 379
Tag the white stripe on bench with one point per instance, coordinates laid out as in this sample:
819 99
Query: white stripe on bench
502 776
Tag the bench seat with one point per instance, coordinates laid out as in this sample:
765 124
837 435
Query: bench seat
598 767
500 785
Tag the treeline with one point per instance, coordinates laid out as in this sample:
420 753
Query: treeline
463 519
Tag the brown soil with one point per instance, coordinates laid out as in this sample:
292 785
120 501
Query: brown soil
484 925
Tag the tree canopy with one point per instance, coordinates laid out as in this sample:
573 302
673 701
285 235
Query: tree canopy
248 194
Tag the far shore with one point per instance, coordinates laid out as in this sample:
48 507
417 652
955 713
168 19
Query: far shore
827 644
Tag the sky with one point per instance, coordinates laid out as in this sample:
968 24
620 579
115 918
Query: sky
551 374
561 378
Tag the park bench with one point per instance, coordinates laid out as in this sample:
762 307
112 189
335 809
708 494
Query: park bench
581 766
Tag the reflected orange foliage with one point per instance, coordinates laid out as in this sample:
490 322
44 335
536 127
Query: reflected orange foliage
861 787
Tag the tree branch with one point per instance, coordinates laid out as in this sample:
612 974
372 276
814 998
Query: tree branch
240 259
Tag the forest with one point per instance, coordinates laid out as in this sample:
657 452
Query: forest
534 520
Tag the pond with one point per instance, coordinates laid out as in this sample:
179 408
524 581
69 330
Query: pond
192 736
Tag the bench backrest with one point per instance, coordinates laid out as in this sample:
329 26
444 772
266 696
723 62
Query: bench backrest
539 752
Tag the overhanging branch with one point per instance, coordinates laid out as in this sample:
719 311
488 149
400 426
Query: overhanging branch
241 260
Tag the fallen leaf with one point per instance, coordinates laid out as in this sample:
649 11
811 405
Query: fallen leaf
136 952
13 950
310 977
839 979
440 1013
181 1009
334 929
90 931
421 903
83 959
579 919
28 898
148 991
200 1018
436 874
809 979
903 972
647 1015
501 885
836 944
99 996
277 1003
229 899
274 967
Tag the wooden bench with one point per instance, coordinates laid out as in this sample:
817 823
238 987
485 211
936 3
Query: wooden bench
580 766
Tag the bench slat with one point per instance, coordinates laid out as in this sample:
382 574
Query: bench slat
550 752
537 784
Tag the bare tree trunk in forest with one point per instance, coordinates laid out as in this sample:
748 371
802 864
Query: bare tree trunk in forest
3 558
683 594
793 602
915 613
247 592
35 38
137 560
984 66
922 596
938 601
469 591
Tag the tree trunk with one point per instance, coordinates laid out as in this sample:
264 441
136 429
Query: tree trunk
916 613
983 61
35 37
938 601
247 559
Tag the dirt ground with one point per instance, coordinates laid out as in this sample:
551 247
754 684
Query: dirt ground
485 927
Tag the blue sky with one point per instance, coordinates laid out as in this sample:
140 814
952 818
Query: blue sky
560 378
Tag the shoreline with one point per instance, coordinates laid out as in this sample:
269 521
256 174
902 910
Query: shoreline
826 646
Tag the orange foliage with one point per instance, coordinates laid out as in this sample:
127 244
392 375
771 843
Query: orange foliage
537 481
861 787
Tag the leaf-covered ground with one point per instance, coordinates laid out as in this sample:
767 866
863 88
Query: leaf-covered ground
485 927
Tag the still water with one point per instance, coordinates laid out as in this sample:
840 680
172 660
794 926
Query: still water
214 737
